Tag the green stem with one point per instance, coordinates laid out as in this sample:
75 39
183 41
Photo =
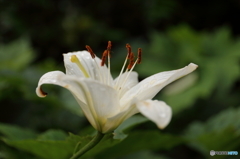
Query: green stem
89 146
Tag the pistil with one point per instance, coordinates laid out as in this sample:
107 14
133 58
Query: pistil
75 60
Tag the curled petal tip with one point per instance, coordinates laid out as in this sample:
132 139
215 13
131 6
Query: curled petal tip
193 65
40 92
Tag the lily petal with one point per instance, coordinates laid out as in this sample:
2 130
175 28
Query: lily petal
55 77
49 78
91 66
101 100
126 81
87 112
157 111
150 86
59 78
114 121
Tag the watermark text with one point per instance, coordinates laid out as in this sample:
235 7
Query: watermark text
212 152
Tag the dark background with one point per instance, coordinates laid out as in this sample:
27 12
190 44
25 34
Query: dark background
173 33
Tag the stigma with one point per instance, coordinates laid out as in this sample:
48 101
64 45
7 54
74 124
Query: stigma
74 59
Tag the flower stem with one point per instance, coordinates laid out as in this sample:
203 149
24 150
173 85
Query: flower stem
89 146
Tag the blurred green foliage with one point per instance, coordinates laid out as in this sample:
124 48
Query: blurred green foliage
221 131
217 55
205 104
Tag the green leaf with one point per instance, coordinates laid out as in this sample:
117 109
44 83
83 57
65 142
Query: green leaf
130 122
45 149
105 144
16 133
52 135
221 132
110 139
54 144
140 141
79 140
16 55
145 155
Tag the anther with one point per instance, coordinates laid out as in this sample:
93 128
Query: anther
104 56
129 51
139 59
109 47
131 61
90 51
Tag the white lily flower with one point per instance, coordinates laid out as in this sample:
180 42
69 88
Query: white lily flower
107 102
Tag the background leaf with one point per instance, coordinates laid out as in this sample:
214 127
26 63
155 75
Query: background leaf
221 132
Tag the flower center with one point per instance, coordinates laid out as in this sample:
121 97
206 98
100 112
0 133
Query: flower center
106 56
129 58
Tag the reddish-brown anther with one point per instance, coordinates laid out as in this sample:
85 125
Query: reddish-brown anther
131 61
104 56
129 49
139 59
90 51
109 47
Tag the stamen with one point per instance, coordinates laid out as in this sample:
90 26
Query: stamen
139 58
109 47
104 56
75 60
130 67
129 51
123 83
131 61
90 51
125 62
